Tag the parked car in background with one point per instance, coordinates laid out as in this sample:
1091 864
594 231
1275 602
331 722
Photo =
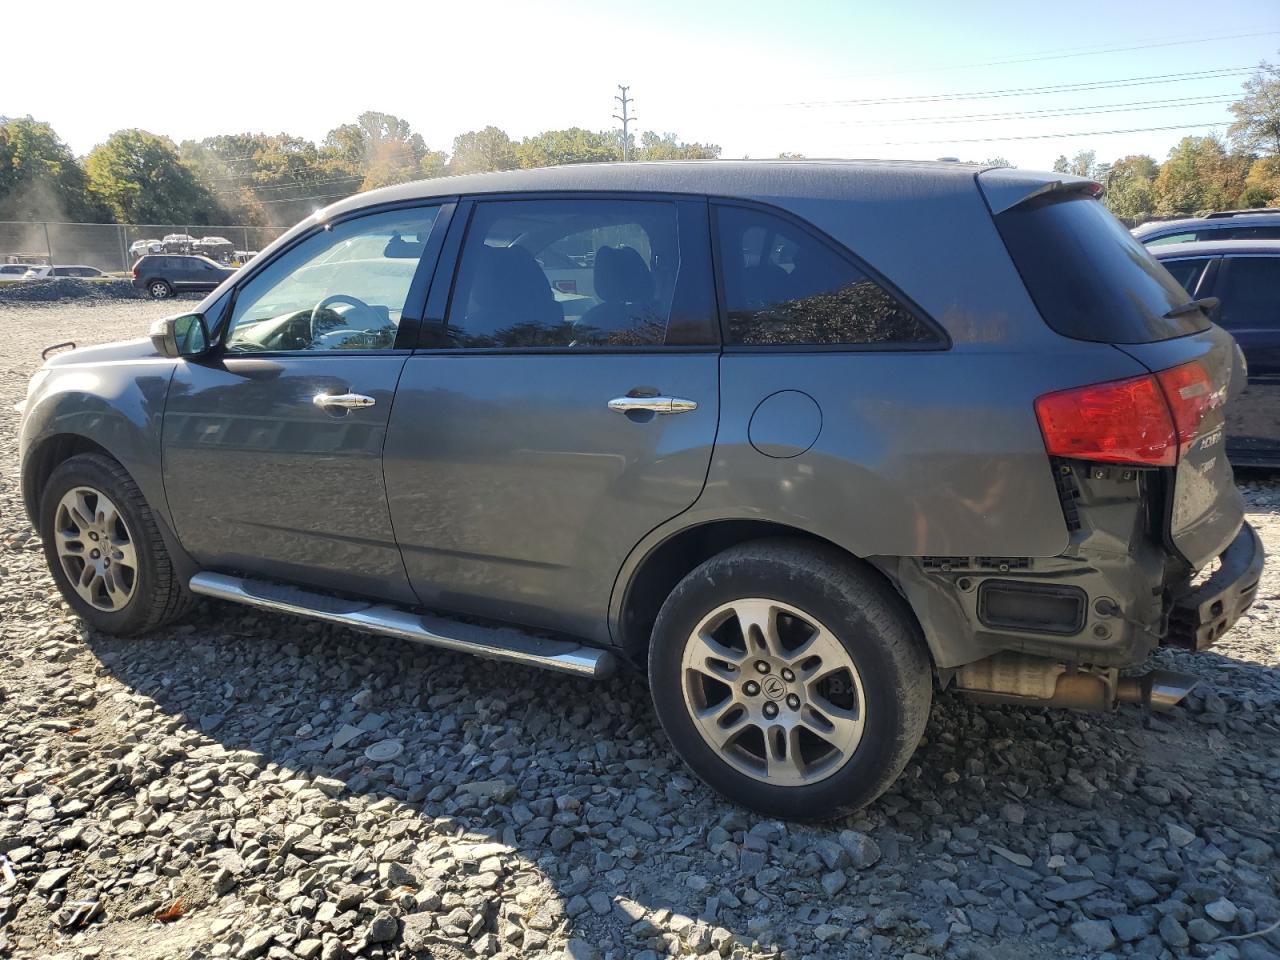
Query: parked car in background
1257 224
178 243
165 275
73 270
1244 277
11 271
140 248
797 448
215 248
241 257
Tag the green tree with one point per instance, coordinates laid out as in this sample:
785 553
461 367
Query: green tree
1257 125
1129 193
573 145
140 178
997 161
1062 164
480 151
39 177
670 147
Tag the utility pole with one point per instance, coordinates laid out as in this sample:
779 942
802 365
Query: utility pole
626 118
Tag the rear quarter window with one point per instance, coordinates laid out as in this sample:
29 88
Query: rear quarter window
1089 278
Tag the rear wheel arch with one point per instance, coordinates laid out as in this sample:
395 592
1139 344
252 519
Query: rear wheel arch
653 577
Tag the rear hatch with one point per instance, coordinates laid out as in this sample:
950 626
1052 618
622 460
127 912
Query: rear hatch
1091 280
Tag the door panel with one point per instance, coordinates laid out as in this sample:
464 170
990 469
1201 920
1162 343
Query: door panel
260 479
516 493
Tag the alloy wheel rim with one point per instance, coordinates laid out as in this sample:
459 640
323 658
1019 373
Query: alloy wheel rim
773 692
95 548
158 290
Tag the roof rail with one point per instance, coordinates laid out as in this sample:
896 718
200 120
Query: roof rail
1232 213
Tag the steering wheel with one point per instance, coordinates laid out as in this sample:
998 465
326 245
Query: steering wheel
356 302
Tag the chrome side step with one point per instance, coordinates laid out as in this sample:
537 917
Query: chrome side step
496 643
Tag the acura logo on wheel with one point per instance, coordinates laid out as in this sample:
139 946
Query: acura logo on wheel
773 688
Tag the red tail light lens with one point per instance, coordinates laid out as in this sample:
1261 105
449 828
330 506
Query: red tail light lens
1124 421
1147 421
1191 396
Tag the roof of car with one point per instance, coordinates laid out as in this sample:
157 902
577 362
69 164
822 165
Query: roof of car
1215 248
1229 218
743 178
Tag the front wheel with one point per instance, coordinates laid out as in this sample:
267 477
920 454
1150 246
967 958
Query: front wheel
790 679
159 289
105 550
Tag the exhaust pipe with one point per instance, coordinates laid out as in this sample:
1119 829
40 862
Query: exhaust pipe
1035 681
1160 690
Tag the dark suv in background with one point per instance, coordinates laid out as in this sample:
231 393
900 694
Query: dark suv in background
1239 280
1257 224
798 439
163 275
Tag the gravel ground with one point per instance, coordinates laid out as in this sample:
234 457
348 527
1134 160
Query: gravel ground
249 785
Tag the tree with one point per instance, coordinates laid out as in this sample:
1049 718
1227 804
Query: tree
997 161
480 151
1062 164
1129 194
573 145
1257 125
140 178
670 147
383 148
1262 185
39 177
1200 175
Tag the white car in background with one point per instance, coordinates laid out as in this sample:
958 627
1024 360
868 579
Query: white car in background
68 270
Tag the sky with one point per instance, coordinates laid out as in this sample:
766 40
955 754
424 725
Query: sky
758 79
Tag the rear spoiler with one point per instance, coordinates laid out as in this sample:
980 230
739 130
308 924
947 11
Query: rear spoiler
1006 188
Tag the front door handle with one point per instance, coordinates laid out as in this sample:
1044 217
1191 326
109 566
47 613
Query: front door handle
653 404
348 401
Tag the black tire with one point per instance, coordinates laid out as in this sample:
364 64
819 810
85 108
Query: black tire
868 618
159 289
158 595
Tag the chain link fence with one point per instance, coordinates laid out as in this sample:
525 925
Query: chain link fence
115 247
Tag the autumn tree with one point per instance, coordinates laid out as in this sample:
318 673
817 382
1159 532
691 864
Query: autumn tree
669 147
1200 175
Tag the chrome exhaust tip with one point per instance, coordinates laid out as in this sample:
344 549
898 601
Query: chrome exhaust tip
1160 690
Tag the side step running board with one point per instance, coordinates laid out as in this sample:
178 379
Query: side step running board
496 643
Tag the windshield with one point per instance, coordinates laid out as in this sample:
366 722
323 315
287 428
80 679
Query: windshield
1089 278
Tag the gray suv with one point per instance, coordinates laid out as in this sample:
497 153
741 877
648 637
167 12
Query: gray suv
802 440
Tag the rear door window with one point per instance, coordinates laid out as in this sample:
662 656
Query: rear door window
580 274
1171 238
1089 278
1187 272
785 286
1250 293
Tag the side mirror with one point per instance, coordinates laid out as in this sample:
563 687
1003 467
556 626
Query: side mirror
183 336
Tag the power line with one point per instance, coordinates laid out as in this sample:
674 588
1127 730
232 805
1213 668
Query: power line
331 196
1132 107
1044 136
1141 81
1066 53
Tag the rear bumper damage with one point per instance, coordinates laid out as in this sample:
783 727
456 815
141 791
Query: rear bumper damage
1204 612
1059 631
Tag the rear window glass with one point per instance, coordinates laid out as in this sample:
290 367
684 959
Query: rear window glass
1089 278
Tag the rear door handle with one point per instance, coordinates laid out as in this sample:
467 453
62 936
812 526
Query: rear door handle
349 401
654 404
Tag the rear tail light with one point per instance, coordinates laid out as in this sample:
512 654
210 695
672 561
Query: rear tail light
135 271
1147 421
1191 396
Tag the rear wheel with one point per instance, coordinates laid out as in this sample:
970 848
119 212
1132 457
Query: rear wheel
104 548
159 289
790 679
